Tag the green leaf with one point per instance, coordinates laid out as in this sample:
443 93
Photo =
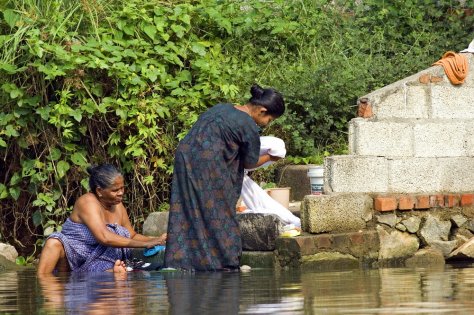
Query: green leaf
150 30
37 218
14 192
9 68
11 17
54 154
15 179
62 167
48 231
3 143
79 159
21 261
3 191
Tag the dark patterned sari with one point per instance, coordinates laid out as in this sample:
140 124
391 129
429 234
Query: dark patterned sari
203 233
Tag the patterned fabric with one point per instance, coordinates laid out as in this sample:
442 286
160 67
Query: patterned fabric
84 253
203 233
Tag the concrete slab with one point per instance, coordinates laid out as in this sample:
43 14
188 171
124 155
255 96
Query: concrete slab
336 212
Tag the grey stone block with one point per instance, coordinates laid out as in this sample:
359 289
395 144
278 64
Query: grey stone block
259 231
336 212
156 224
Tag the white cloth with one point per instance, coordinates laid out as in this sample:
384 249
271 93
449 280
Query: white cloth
273 146
258 201
255 198
470 48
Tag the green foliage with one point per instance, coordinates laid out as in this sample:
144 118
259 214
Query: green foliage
92 81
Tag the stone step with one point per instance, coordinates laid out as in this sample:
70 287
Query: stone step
411 138
372 174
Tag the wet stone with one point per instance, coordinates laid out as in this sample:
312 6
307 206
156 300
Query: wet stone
259 231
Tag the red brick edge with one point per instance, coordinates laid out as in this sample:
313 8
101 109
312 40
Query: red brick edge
418 202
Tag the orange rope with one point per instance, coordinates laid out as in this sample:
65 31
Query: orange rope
455 66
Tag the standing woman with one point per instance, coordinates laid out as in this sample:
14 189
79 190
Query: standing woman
203 233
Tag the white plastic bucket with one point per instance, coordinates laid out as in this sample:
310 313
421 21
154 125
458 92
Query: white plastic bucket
316 178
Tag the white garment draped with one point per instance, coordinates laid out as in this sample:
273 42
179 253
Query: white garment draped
255 198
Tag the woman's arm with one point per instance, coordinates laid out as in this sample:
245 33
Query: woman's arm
89 213
263 159
125 222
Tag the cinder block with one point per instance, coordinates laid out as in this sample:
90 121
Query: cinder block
401 100
440 139
452 102
380 138
427 175
336 212
351 173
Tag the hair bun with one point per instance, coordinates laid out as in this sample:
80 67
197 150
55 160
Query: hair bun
256 91
91 169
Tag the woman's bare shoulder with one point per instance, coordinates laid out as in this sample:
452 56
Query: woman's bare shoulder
88 199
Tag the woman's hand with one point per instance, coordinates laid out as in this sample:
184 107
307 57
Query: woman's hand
161 240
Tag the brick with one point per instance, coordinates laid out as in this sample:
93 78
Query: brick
324 242
385 203
424 79
357 238
365 110
451 200
467 200
422 202
406 203
436 201
436 79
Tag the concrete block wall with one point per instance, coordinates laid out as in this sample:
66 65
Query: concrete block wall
420 139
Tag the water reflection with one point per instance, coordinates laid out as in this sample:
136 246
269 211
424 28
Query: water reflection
449 290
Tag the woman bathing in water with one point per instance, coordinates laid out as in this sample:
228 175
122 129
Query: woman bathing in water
98 234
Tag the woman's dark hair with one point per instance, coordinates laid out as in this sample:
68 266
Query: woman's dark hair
269 98
102 176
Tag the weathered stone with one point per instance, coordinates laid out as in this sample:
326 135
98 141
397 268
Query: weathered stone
156 223
6 264
8 251
395 244
336 212
458 220
426 258
434 230
258 259
446 247
296 177
401 227
259 231
462 235
329 261
389 219
465 251
469 225
412 224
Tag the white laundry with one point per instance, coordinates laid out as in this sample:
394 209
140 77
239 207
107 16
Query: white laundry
255 198
470 48
273 146
258 201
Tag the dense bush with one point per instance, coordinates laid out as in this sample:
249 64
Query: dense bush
122 81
